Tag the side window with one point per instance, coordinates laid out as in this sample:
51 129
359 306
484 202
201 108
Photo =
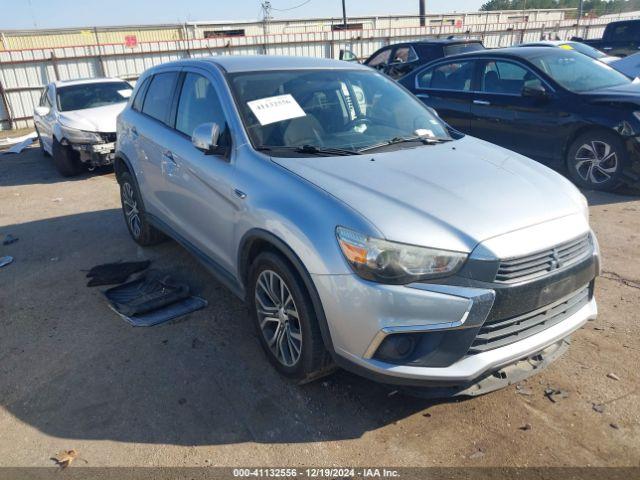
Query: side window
380 59
199 103
404 55
158 100
622 32
449 76
137 102
506 77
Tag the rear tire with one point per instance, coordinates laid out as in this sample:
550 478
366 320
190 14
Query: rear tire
66 160
596 160
285 319
135 216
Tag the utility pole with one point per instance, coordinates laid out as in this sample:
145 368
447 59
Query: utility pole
422 13
344 15
266 18
580 11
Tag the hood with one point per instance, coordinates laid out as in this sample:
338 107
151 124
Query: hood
451 196
99 119
628 93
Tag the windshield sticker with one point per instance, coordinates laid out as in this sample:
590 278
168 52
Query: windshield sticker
275 109
125 93
424 132
566 47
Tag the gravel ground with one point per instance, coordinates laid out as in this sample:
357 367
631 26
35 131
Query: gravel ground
199 391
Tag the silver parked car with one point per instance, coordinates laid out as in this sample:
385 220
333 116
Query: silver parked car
361 230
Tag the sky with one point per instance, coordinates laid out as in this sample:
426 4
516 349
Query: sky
28 14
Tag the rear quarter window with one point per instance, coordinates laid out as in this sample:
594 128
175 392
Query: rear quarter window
137 101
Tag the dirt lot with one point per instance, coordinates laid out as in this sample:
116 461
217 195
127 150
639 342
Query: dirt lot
199 391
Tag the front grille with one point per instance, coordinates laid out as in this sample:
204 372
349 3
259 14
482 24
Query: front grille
498 333
535 265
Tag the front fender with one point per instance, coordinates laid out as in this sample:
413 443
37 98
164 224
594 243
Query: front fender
301 215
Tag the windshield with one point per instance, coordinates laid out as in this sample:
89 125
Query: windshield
92 95
348 110
583 49
577 72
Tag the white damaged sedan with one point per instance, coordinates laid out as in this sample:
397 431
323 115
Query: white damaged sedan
76 122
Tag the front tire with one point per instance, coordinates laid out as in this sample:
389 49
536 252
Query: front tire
42 149
142 232
66 160
285 319
596 160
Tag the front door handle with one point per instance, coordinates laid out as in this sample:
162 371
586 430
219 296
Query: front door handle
481 102
134 132
607 48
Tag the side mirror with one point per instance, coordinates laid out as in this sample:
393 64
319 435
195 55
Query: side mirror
205 137
42 111
535 91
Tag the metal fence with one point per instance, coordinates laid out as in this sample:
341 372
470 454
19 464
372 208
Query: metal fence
23 73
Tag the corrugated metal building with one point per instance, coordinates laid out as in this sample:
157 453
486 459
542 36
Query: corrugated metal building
131 35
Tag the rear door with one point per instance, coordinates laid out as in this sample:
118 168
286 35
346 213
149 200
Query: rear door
502 115
203 205
447 87
150 131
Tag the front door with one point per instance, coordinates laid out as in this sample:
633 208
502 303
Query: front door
501 114
199 186
44 123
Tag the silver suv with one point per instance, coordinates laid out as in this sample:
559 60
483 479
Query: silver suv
361 230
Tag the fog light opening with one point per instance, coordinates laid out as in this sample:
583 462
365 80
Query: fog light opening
397 347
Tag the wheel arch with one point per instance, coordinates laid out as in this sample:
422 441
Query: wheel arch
122 164
581 130
256 241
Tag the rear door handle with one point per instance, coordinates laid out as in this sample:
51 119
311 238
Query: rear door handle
481 102
607 48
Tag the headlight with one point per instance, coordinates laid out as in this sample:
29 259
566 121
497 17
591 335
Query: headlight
395 263
80 136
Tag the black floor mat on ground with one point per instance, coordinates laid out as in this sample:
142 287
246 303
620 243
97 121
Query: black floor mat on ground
114 273
148 301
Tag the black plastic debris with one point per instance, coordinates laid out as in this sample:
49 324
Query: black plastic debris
9 239
555 394
114 273
152 300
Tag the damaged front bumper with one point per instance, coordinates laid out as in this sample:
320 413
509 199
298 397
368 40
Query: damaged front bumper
97 154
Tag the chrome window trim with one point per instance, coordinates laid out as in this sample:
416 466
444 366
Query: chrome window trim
480 92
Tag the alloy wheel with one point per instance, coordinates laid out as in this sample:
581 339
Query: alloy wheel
596 162
278 317
131 212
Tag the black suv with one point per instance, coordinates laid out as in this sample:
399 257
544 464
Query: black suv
400 59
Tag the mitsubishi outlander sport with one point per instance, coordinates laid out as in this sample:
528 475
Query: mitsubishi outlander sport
361 230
